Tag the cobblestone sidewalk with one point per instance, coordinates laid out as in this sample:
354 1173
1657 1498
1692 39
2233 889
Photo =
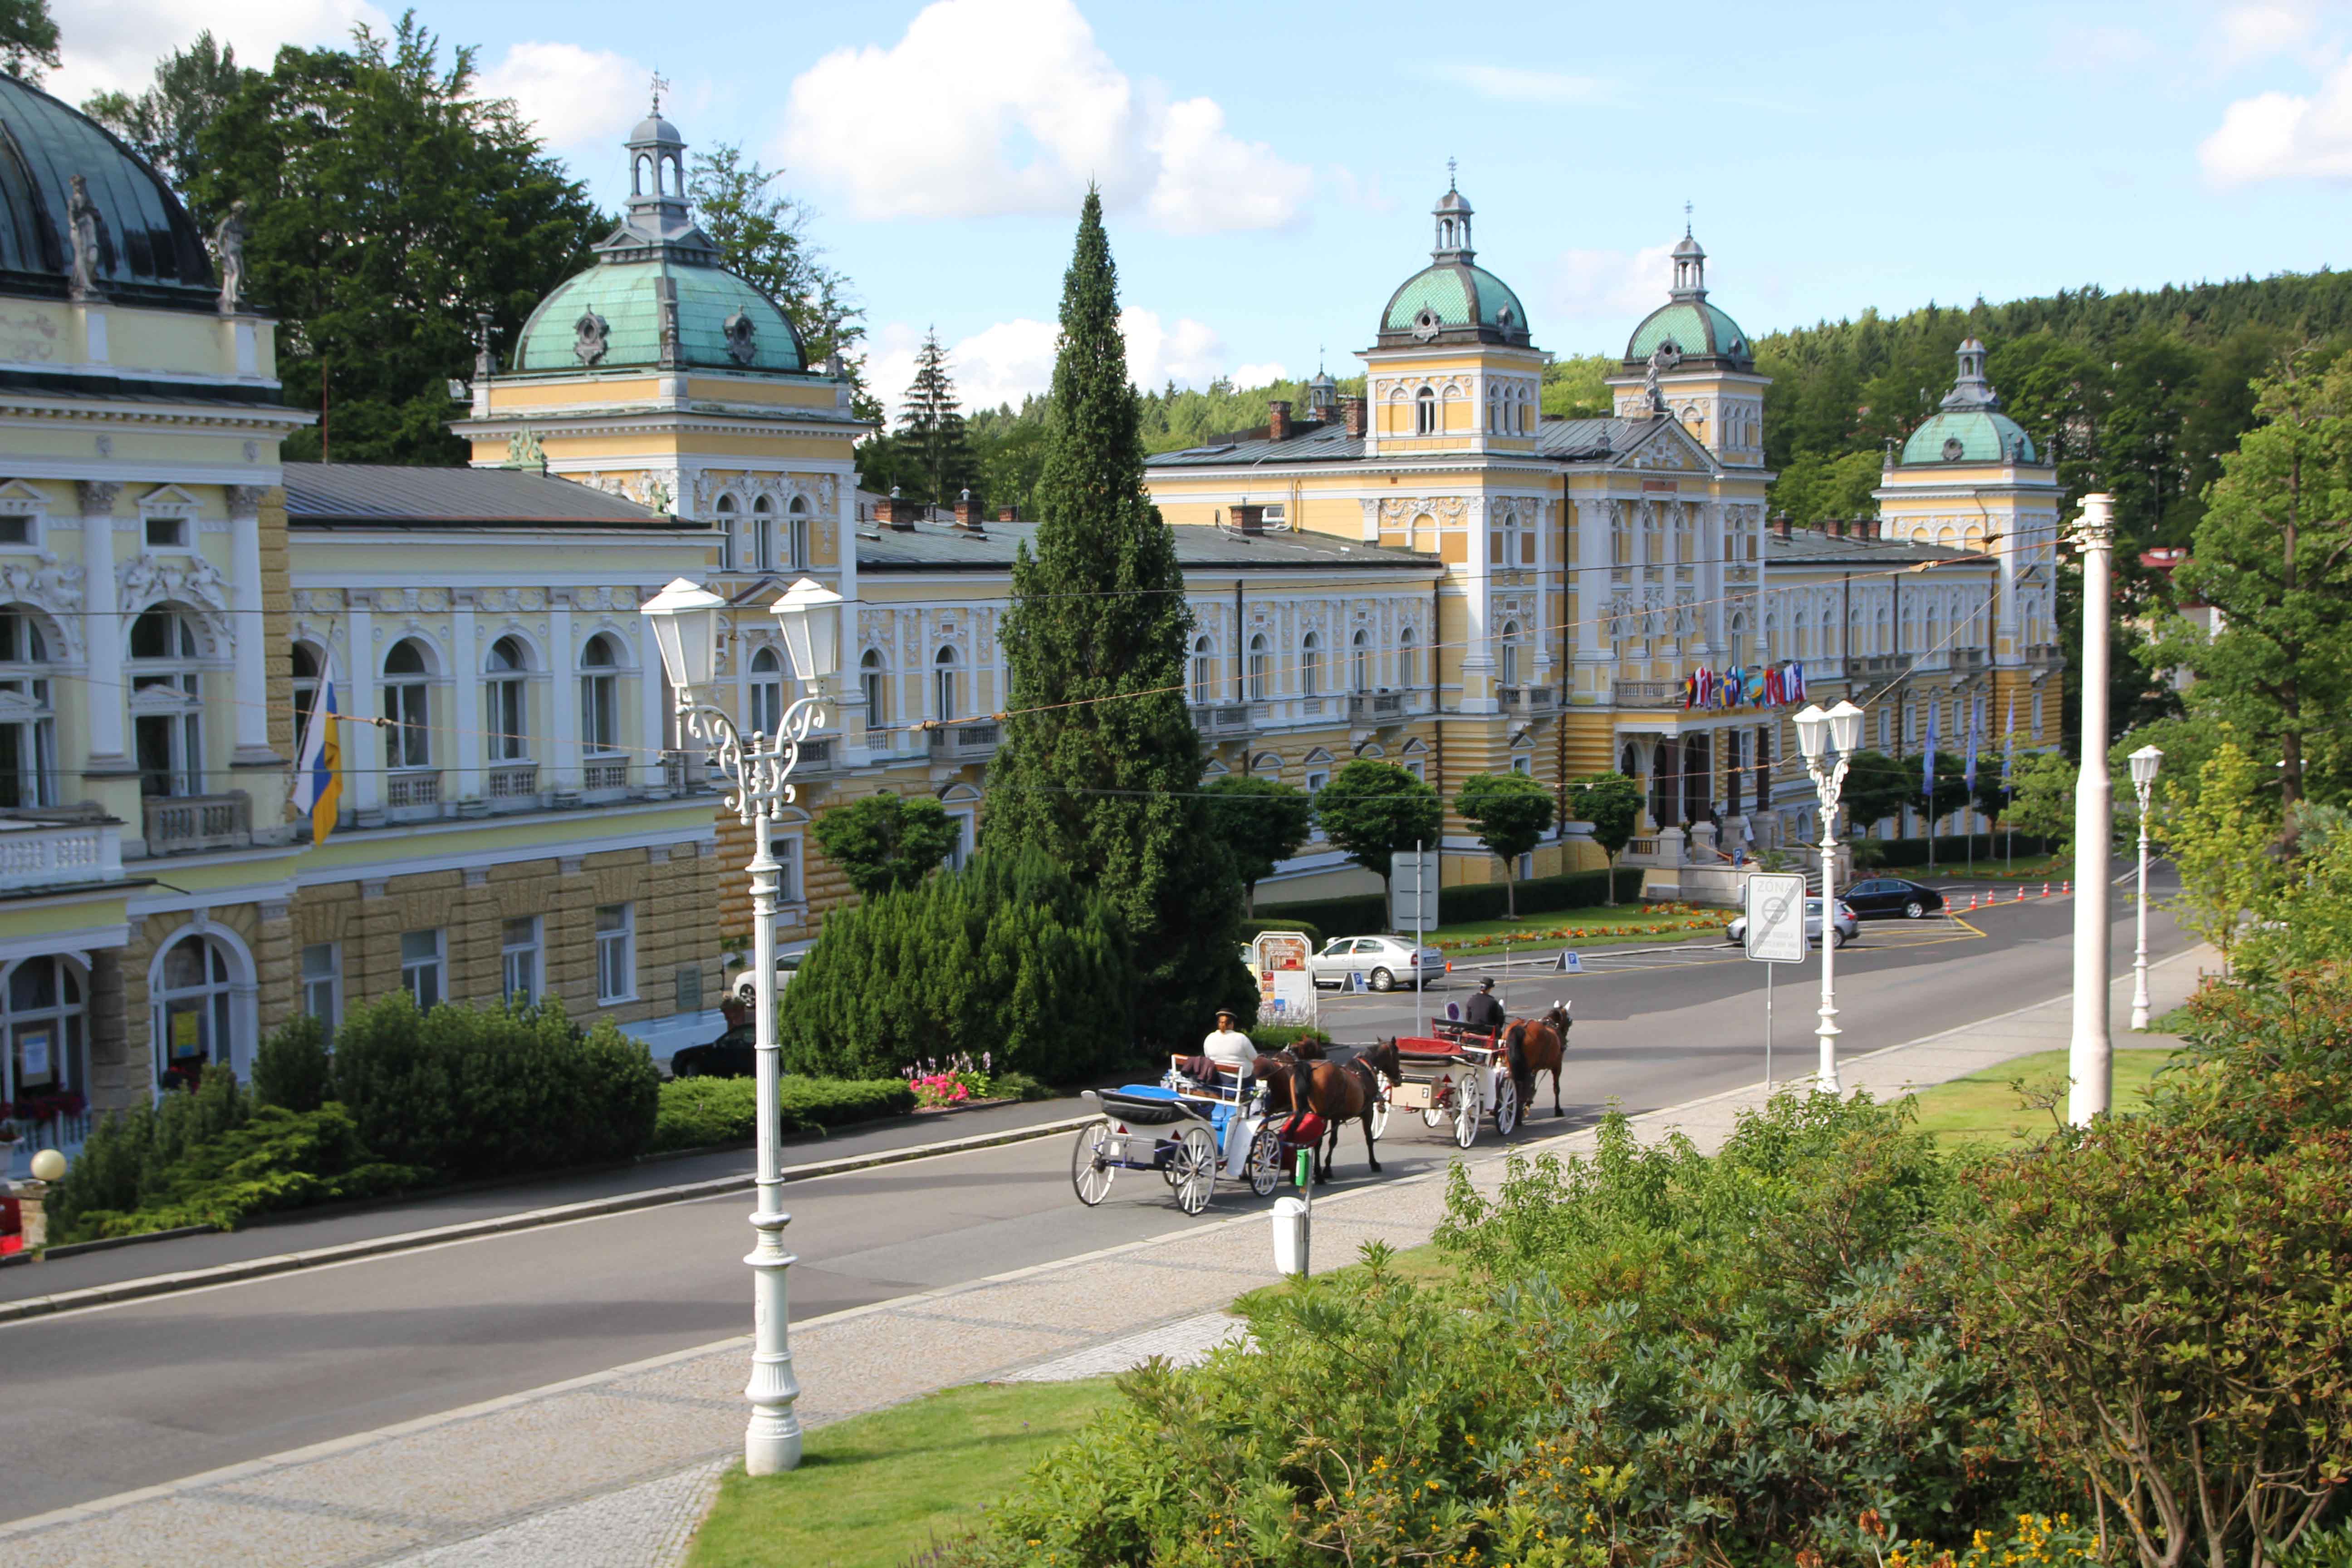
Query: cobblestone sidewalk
539 1479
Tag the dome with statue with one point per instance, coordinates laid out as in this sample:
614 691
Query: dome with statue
1452 301
1969 427
658 296
82 213
1690 329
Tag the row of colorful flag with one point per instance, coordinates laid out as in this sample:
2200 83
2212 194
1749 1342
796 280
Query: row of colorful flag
1976 736
1745 686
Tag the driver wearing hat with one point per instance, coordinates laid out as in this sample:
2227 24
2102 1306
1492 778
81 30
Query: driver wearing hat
1481 1015
1228 1047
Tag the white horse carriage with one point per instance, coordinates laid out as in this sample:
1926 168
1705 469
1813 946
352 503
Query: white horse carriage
1190 1132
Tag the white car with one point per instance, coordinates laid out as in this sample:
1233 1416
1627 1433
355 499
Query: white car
1846 928
1385 962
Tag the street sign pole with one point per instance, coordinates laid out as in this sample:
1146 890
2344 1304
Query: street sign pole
1420 979
1775 935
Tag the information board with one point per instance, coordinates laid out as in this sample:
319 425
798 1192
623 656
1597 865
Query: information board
1776 917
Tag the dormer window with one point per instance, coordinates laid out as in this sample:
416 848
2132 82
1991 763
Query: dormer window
16 532
167 534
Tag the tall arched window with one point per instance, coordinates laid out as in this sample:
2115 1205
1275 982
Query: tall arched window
28 734
600 695
1739 633
767 714
1425 410
305 664
43 1009
1495 407
763 534
796 532
943 682
507 700
875 689
1509 552
1310 658
1934 633
1204 670
1510 653
1804 635
166 704
193 1006
726 522
1408 661
1260 657
407 705
1360 661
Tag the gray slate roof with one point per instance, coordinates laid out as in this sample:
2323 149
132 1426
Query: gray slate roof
390 495
941 546
1811 548
1564 440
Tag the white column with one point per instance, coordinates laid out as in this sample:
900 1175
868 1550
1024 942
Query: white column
2090 1057
364 749
654 702
465 678
562 695
849 717
103 627
249 634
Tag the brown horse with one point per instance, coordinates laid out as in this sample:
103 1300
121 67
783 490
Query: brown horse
1536 1046
1347 1091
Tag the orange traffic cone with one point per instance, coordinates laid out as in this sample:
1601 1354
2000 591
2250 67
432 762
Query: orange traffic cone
2065 887
2021 892
2045 889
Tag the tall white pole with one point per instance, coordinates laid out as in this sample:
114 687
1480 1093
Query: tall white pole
1826 1077
2089 1060
2139 946
772 1444
1419 939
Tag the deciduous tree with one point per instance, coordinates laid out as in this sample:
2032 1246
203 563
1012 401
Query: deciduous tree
2224 841
1373 810
162 124
28 39
1611 803
883 842
1262 821
1510 813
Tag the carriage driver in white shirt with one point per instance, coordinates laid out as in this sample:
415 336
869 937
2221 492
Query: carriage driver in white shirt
1228 1047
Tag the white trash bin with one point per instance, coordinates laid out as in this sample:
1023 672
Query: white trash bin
1291 1225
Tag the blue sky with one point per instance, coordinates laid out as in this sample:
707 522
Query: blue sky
1269 169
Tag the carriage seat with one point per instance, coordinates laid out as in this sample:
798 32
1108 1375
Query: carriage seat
1424 1048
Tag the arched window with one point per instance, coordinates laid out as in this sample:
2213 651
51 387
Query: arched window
1260 657
1804 635
727 520
796 531
767 714
193 1006
166 702
305 664
1879 632
505 700
1204 670
1425 407
600 695
1935 643
763 534
1310 657
1408 661
1510 537
28 726
407 705
1739 631
43 1009
876 691
1360 661
1510 653
1494 407
1629 763
943 682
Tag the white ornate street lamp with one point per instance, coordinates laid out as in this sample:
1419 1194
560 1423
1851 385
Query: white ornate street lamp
1829 742
2091 1054
2144 765
684 621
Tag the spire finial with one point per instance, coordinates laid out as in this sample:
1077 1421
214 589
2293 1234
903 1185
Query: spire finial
1449 176
1686 220
660 86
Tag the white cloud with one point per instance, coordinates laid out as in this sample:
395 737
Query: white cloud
1264 375
582 101
1007 106
1007 361
1365 193
2258 31
113 45
1516 84
1612 285
2278 135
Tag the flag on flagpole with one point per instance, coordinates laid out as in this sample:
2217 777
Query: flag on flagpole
318 763
1976 716
2009 742
1928 757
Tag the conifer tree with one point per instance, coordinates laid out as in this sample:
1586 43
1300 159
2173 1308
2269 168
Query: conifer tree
930 426
1100 767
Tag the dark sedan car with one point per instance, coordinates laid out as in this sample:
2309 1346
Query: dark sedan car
1889 898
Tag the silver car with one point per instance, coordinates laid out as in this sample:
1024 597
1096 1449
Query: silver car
1847 927
1385 962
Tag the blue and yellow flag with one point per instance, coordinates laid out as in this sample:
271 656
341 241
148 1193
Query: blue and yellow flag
318 766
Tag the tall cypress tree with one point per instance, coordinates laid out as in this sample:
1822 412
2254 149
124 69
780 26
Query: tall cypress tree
931 425
1100 766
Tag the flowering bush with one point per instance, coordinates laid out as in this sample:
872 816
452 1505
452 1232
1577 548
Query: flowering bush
957 1083
35 1108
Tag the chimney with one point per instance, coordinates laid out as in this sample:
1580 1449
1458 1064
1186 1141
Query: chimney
1250 519
1008 514
896 514
1837 528
966 514
1277 420
1783 521
1351 411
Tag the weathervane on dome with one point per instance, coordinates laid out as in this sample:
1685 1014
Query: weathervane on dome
1686 220
660 86
1449 176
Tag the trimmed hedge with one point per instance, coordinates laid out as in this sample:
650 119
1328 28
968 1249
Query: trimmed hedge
1251 928
697 1113
1369 912
1952 849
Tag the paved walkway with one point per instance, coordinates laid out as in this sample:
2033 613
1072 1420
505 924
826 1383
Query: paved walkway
614 1470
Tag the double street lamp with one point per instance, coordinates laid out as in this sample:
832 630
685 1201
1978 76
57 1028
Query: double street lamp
684 621
2144 765
1829 742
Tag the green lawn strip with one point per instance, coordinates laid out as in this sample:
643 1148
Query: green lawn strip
2029 868
1605 924
874 1490
1983 1109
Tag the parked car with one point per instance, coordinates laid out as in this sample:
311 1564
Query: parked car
1385 961
1846 927
1884 897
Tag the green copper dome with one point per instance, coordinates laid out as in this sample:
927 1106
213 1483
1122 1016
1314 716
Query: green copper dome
1697 329
627 296
1969 428
1452 301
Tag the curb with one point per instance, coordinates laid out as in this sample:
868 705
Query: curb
528 1220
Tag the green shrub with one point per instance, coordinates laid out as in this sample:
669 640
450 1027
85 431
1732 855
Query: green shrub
1353 916
2265 1061
1270 1038
1281 921
1369 913
291 1067
130 1156
698 1112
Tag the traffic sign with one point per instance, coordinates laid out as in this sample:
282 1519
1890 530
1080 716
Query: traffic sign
1776 919
1570 964
1412 891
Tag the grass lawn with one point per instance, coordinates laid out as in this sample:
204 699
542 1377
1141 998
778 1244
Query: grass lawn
1983 1109
876 1490
2034 868
1602 924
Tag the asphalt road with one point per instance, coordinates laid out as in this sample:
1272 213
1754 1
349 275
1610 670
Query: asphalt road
112 1398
